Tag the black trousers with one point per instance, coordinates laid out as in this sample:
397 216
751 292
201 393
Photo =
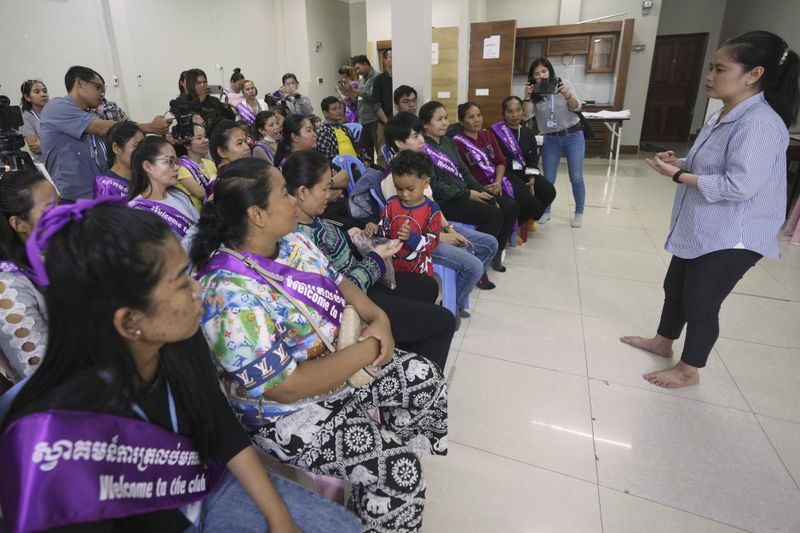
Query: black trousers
532 204
694 290
418 324
496 218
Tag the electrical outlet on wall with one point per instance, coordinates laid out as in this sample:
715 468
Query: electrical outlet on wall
319 80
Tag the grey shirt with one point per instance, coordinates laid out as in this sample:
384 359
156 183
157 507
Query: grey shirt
300 105
72 156
366 106
30 126
23 326
556 106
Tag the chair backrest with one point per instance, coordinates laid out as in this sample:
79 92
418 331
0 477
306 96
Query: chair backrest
386 153
355 129
348 163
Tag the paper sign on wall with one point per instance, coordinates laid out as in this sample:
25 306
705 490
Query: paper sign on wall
481 92
434 53
491 47
442 95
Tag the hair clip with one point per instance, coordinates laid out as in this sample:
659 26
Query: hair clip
51 223
783 57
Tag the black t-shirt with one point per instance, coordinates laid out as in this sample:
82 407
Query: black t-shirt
527 143
382 93
232 439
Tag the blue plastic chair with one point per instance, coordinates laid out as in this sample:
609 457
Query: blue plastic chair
355 129
386 153
448 277
348 163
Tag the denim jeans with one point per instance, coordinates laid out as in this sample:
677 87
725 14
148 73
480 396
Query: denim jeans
230 509
574 147
469 263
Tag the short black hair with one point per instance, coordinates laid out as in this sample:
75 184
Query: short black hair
403 90
360 59
78 72
400 127
327 102
289 76
408 163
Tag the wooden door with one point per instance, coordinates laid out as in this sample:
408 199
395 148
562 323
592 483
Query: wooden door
674 80
444 74
490 79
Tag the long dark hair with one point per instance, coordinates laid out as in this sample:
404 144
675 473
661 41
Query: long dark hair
191 76
304 169
239 186
108 260
781 69
220 136
148 150
26 88
548 65
16 200
428 109
292 125
119 134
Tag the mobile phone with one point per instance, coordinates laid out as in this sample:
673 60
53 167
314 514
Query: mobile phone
215 89
340 83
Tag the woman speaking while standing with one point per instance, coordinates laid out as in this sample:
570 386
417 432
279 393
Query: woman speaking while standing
731 196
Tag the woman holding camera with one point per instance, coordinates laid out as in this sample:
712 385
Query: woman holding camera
555 105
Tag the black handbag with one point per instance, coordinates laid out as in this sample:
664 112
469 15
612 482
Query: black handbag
588 132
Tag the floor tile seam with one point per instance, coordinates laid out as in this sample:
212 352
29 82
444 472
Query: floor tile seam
653 252
627 493
527 365
523 462
779 418
782 346
487 299
658 391
777 454
656 283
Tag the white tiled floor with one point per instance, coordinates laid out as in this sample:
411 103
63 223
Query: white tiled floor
552 427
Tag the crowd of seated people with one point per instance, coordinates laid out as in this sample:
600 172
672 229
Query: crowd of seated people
182 264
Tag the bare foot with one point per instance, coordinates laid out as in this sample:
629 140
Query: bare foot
658 345
680 375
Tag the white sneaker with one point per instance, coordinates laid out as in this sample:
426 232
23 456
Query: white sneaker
544 218
577 220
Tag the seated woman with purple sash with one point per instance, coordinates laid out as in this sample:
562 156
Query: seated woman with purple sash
155 175
266 131
455 189
228 143
518 145
481 152
124 427
272 314
24 196
197 173
248 108
121 140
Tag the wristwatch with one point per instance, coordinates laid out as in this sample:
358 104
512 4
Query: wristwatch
677 175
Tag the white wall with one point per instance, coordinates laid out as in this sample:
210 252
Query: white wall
358 27
329 23
644 32
691 16
527 13
44 46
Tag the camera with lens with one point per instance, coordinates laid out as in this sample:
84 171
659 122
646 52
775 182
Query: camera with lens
12 157
546 86
183 110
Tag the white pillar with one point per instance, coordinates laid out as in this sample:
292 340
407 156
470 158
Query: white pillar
411 45
570 12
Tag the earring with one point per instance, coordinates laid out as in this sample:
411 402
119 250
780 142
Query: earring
137 333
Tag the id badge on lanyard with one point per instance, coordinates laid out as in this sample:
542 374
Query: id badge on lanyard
552 123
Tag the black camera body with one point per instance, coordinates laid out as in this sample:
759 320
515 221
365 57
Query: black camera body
183 110
12 157
548 86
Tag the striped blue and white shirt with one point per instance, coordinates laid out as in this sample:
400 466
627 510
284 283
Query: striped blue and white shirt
740 196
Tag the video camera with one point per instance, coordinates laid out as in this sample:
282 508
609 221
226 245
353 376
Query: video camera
12 157
548 86
183 109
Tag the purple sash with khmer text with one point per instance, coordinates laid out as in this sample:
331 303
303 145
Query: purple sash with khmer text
316 291
109 186
246 113
178 222
70 467
197 173
508 138
442 162
483 162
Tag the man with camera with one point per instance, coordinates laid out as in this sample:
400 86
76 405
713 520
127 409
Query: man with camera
72 134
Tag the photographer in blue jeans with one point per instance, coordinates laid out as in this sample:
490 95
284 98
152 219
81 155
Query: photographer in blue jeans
555 105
